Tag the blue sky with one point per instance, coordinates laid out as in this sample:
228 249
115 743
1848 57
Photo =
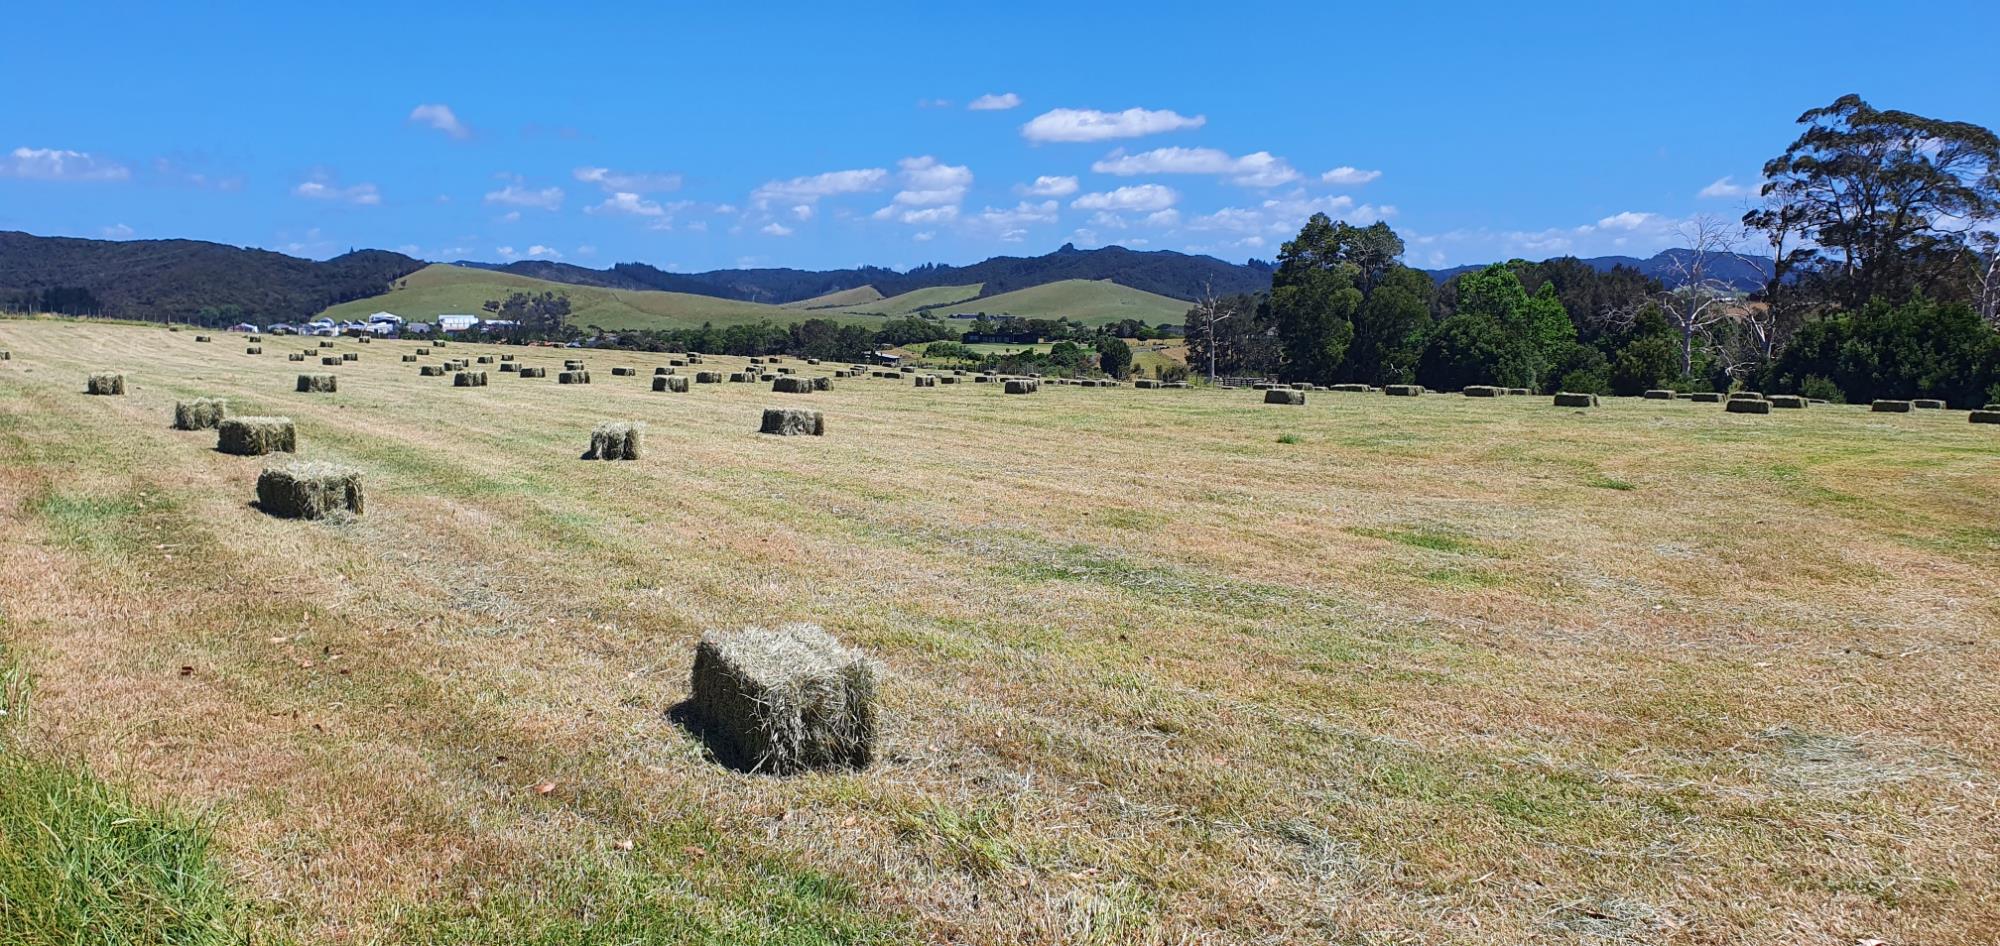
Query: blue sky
816 137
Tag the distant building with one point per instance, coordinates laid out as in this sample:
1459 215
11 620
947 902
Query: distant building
244 327
456 322
416 328
497 325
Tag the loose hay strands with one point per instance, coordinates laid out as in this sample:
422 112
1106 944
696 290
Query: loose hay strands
318 384
202 413
309 490
616 440
793 422
105 382
784 700
256 436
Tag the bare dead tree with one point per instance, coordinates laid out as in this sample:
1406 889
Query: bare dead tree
1697 300
1988 261
1210 308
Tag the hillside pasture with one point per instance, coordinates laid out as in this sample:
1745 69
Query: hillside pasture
1159 666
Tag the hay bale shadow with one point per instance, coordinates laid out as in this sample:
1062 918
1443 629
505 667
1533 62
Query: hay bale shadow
721 751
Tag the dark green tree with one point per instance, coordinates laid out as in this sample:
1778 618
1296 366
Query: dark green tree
1114 357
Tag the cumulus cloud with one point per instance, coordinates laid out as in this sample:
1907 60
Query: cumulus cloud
442 118
995 103
55 164
1084 124
1049 185
777 229
626 202
931 191
1142 198
1257 169
1283 215
1629 220
1727 187
809 189
637 182
1164 218
1352 176
537 251
517 195
322 186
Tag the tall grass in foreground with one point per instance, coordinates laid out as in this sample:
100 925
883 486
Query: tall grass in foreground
81 862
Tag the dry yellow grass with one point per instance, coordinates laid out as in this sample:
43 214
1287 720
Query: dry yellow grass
1433 670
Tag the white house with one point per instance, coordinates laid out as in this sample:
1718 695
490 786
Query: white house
385 323
455 322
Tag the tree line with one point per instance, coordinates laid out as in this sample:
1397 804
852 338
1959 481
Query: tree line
1886 284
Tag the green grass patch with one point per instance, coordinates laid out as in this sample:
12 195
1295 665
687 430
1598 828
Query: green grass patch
1288 438
1425 537
95 524
1602 481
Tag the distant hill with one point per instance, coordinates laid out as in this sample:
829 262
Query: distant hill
1159 272
162 279
1741 273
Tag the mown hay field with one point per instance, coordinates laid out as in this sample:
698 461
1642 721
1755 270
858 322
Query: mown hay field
1158 666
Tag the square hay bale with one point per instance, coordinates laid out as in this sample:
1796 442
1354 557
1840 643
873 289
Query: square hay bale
509 366
822 383
624 372
1746 396
364 339
531 372
792 422
1927 404
409 359
1659 394
295 356
1744 405
1353 388
616 440
423 351
254 339
672 383
1022 386
791 384
1516 392
740 377
431 371
572 364
677 362
1706 397
506 358
203 338
785 699
1482 390
318 383
202 413
663 369
484 359
1145 383
469 379
1284 396
105 382
1573 399
708 377
330 361
256 436
1890 407
756 361
923 381
325 344
1787 401
767 376
253 349
788 371
309 490
812 361
694 359
1093 382
6 355
349 356
573 377
1988 416
1403 390
949 379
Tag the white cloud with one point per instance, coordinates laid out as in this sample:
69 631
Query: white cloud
1050 186
1352 176
586 250
777 229
1281 216
55 164
1143 198
1108 220
1628 220
505 252
1021 215
321 186
441 118
932 191
1727 187
1164 218
637 182
803 211
1084 124
923 236
1257 169
117 231
511 216
995 103
517 195
625 202
810 189
547 252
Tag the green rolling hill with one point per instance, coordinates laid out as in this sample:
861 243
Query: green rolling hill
1091 301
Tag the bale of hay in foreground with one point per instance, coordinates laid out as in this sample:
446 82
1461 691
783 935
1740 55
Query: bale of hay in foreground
1574 399
672 383
1022 386
923 381
309 490
785 699
1403 390
1890 407
256 436
1927 404
577 376
202 413
1744 405
105 382
469 379
1284 396
506 366
1787 401
793 422
1483 390
1987 416
791 384
616 440
1706 397
317 384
